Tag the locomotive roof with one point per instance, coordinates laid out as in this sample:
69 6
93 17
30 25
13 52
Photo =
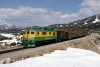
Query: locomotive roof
40 30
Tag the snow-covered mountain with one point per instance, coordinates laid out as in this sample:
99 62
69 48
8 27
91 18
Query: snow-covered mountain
96 20
4 25
92 22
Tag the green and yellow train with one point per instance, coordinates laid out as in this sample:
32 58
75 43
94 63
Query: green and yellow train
37 37
34 37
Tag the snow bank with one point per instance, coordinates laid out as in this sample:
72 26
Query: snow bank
7 35
14 39
72 57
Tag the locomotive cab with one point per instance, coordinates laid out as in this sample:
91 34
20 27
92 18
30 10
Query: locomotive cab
28 38
29 34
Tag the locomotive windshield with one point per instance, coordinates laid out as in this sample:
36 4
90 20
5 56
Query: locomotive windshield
28 32
32 32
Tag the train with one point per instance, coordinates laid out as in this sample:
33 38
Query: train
35 37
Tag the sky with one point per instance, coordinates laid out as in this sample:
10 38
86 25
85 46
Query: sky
27 13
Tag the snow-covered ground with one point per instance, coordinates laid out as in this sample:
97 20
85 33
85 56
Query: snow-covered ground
14 39
72 57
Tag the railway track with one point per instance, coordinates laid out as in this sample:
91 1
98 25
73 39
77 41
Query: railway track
11 50
9 53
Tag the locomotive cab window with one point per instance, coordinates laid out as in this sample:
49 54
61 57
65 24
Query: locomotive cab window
32 32
28 32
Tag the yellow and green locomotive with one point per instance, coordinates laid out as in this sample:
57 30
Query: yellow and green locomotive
34 37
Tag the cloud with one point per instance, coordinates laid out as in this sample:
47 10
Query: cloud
28 16
23 15
87 8
90 6
91 3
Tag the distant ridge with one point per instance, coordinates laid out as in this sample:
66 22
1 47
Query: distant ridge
92 22
4 25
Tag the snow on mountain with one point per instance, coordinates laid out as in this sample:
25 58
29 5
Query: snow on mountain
96 20
92 22
4 25
85 23
72 57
